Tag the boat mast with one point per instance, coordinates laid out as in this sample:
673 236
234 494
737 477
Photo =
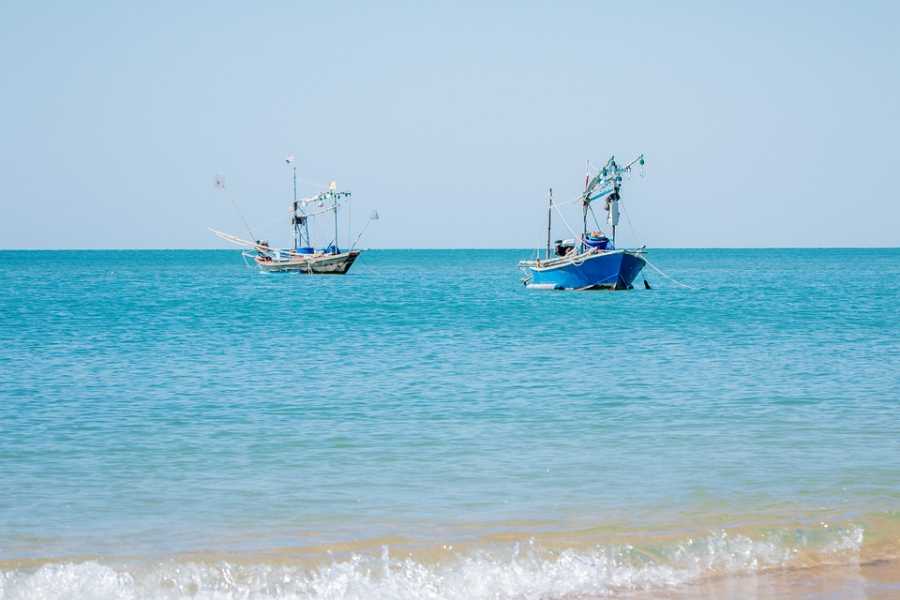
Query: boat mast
299 219
549 218
614 212
585 205
334 203
294 219
607 185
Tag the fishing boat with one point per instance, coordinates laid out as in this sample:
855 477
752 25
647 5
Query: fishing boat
302 256
589 261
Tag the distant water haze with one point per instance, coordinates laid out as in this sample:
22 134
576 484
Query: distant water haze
770 125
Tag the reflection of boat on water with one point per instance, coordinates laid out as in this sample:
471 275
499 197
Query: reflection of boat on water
590 260
302 256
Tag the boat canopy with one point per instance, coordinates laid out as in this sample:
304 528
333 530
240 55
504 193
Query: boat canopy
605 184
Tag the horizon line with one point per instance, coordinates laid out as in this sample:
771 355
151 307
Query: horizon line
438 248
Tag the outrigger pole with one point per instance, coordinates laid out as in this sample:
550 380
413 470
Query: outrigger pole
373 216
220 185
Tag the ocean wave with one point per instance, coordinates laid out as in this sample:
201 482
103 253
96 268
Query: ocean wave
526 571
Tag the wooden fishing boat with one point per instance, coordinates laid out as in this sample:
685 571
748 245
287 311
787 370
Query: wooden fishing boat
302 256
329 261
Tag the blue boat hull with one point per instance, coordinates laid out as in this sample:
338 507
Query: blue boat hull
613 270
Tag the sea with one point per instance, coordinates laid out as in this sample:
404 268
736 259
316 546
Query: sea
174 424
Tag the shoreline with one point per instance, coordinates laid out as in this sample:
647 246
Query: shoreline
721 564
873 579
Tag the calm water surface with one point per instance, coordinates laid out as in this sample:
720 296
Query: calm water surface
166 404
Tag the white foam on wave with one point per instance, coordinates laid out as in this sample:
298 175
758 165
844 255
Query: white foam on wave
528 573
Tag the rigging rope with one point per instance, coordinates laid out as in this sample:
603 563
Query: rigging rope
596 222
572 231
241 215
220 185
628 218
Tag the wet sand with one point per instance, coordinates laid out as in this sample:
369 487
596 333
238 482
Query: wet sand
876 580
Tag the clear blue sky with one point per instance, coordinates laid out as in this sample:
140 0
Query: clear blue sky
766 124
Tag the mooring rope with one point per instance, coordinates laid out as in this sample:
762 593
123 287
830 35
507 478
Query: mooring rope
630 226
669 277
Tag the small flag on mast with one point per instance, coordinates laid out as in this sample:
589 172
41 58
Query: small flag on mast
289 159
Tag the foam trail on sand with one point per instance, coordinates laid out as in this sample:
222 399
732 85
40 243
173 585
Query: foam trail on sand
518 573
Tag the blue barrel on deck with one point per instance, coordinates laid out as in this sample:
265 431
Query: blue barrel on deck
601 242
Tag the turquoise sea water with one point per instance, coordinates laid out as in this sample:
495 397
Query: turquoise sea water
165 413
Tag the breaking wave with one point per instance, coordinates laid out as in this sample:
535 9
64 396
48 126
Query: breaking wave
525 571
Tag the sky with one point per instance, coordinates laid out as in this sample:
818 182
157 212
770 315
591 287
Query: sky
763 124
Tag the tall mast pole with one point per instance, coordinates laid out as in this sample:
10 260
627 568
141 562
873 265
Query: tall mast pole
549 218
306 230
584 223
296 228
614 213
334 200
613 218
585 204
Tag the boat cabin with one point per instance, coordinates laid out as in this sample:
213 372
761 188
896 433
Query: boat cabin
564 247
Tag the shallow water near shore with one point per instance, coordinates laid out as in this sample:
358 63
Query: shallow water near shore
173 424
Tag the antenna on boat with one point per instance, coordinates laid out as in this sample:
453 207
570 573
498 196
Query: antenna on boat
290 160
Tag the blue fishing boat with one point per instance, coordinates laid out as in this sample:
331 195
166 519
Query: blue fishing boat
589 261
